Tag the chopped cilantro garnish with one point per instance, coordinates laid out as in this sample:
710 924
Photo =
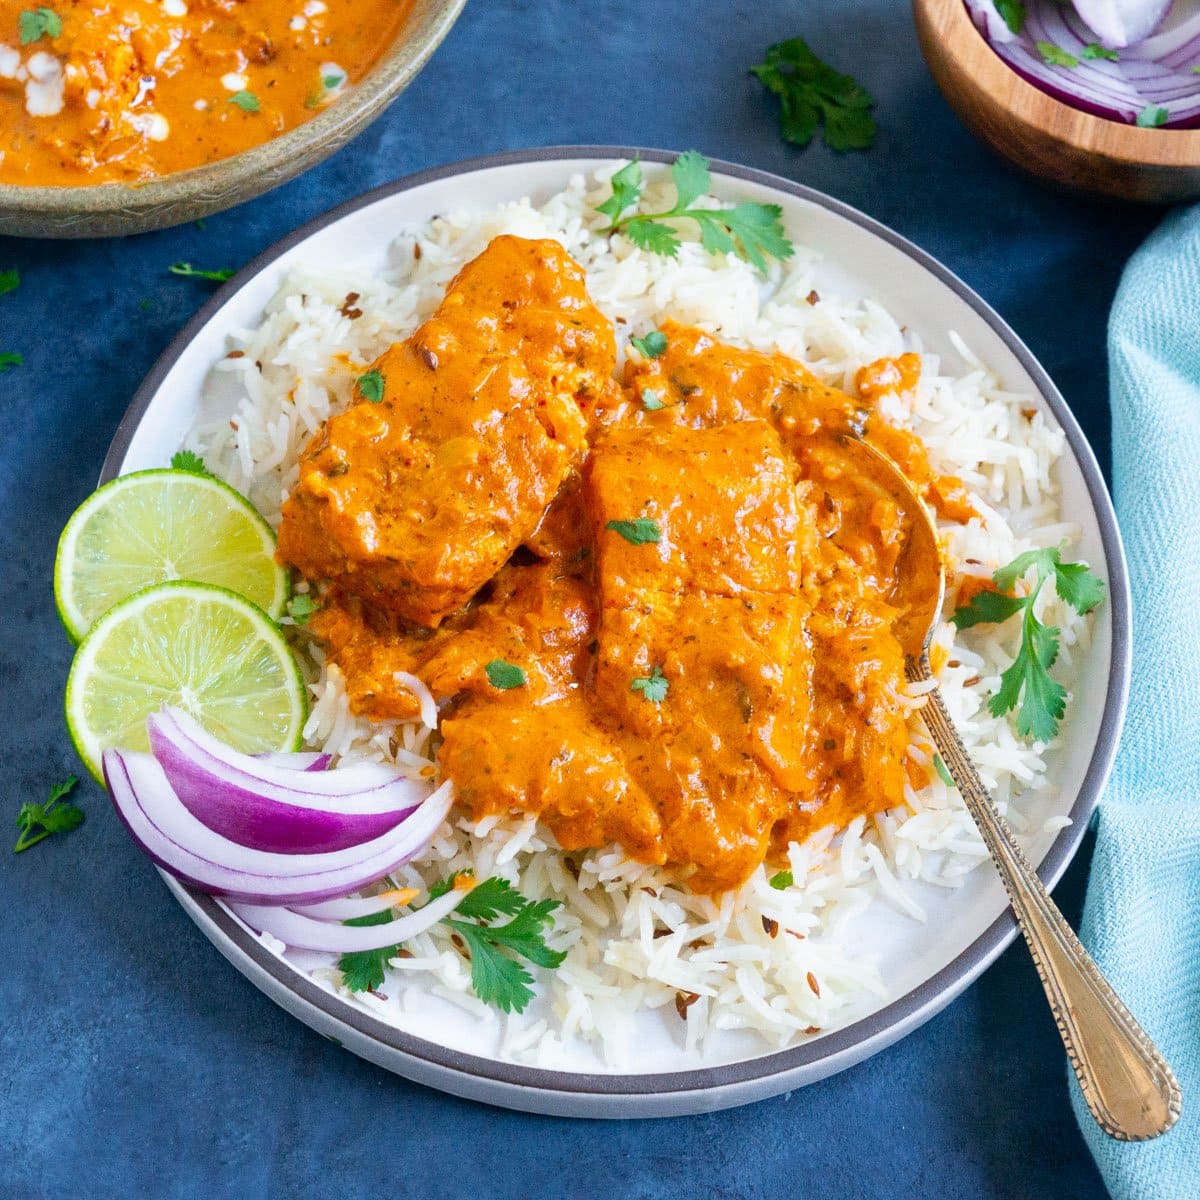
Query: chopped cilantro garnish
40 821
653 345
189 272
185 460
639 531
504 675
497 976
36 23
752 231
329 82
10 358
246 101
781 880
300 607
1152 116
1013 14
943 771
370 386
10 280
1094 50
1056 56
1027 682
653 686
813 95
652 400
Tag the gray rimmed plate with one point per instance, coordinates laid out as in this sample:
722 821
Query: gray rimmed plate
924 966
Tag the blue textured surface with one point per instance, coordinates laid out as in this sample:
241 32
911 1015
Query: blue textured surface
133 1060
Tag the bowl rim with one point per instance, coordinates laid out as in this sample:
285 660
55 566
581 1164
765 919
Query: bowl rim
706 1088
990 76
428 24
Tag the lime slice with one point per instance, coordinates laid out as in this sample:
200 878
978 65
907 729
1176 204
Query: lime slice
154 526
203 648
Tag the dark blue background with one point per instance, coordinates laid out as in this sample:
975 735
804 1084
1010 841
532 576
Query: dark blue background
133 1060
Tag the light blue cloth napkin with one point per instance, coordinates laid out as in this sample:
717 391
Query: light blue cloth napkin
1142 918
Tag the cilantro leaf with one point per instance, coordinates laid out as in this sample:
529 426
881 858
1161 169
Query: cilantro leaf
652 400
36 23
812 96
758 230
1013 13
781 880
627 184
190 272
362 970
246 101
638 532
692 180
1026 685
653 236
1056 56
301 606
371 385
9 358
331 81
1152 116
1094 50
505 675
653 686
185 460
653 345
10 280
40 821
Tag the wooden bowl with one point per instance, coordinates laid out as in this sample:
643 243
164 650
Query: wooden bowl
110 209
1043 135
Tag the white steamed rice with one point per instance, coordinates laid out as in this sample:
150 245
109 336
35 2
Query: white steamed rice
782 964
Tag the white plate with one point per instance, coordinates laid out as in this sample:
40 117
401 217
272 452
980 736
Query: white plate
924 966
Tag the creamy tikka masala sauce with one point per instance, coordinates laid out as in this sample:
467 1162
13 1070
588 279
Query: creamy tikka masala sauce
655 612
97 91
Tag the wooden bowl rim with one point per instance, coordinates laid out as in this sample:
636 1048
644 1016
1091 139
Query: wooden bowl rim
1045 113
236 175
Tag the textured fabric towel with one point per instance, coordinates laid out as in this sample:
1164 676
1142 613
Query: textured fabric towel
1142 917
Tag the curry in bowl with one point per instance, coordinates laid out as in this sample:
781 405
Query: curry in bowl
122 91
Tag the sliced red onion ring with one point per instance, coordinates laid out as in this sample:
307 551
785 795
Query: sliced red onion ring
302 760
352 907
1121 23
264 807
303 933
181 844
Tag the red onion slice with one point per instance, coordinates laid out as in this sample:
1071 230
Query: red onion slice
303 933
302 760
1121 23
352 907
244 799
188 849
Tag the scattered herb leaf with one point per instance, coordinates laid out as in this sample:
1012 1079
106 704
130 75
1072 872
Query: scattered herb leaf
653 687
1027 685
40 821
497 976
652 400
1013 14
9 358
653 345
781 880
35 23
505 675
370 386
329 82
10 280
300 607
1094 50
189 272
639 532
1056 56
246 101
752 231
943 771
813 95
1152 116
186 460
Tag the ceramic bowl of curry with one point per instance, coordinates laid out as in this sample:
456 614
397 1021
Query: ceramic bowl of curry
118 122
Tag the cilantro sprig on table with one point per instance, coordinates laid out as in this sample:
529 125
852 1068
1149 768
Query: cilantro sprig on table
189 272
751 231
37 822
812 96
1027 684
497 975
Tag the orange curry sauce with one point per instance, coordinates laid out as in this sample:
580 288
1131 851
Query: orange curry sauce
125 90
692 582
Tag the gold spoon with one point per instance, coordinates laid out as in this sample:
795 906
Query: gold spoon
1126 1083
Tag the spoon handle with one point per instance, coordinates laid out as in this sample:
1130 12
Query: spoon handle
1125 1081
